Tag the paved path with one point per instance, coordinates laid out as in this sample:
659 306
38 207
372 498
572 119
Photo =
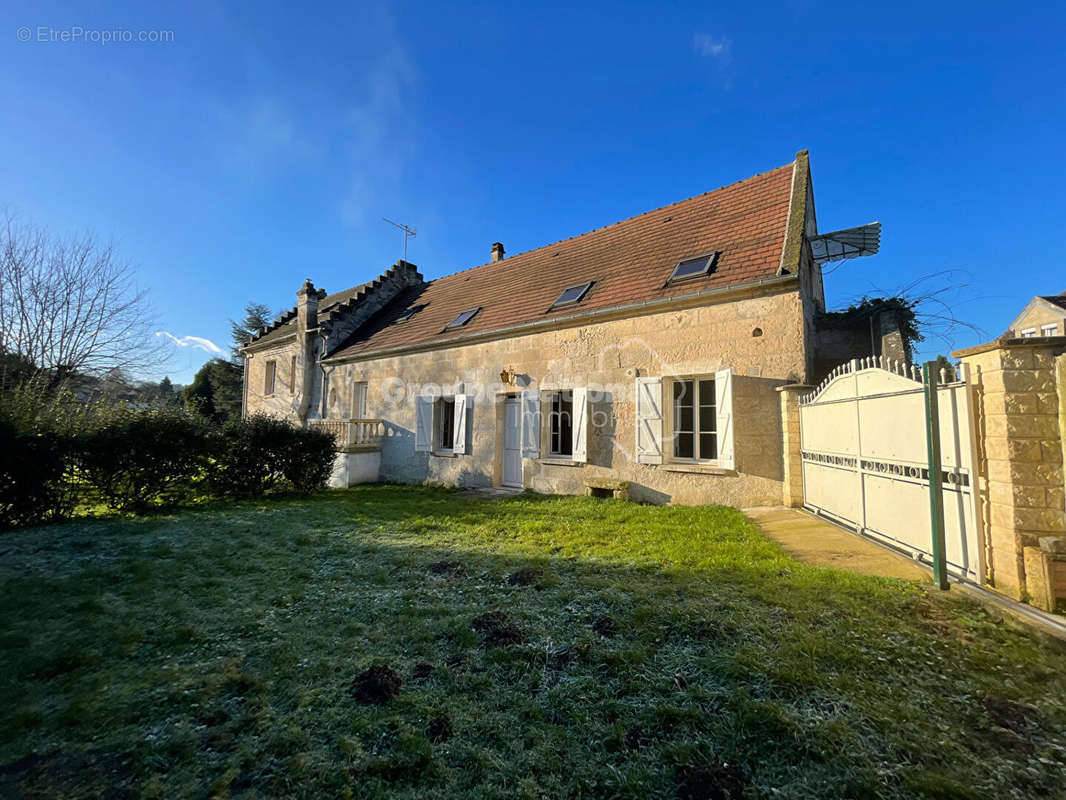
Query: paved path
807 538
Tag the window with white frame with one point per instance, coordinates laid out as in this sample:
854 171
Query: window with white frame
1051 329
561 424
269 376
444 424
1028 333
695 423
685 420
359 400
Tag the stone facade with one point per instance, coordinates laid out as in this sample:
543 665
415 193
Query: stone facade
759 334
1037 317
606 357
1020 447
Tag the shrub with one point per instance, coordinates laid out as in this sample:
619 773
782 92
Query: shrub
307 462
138 457
36 480
261 453
34 484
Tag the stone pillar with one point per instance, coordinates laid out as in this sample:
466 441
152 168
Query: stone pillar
1020 448
792 495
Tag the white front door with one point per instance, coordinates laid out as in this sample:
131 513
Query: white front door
512 442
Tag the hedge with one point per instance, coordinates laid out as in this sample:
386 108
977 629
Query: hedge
135 459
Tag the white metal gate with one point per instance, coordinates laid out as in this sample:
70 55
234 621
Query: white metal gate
865 462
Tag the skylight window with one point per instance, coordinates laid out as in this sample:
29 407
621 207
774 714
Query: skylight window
571 295
462 319
407 314
693 267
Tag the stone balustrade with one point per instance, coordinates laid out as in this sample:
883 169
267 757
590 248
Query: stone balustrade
353 434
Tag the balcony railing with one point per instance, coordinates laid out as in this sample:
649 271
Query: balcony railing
353 434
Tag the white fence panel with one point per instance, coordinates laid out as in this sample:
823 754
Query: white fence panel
864 456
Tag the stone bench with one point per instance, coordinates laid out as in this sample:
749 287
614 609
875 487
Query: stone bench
607 487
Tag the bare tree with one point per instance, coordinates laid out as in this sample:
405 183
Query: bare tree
934 300
70 305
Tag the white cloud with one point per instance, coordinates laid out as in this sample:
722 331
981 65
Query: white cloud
196 342
719 48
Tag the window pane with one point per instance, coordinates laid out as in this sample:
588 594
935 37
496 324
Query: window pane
572 294
690 267
707 419
562 427
683 405
683 445
683 420
708 445
446 415
707 393
463 318
683 392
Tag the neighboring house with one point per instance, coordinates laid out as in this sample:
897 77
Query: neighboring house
648 351
1044 316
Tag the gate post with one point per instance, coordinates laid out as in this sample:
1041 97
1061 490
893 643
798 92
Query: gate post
936 489
790 443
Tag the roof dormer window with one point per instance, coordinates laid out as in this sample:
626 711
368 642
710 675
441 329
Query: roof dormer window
571 295
695 267
463 318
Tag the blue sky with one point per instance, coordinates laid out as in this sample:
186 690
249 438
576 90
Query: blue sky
265 142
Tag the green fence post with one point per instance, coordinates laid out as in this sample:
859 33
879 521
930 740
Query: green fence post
936 489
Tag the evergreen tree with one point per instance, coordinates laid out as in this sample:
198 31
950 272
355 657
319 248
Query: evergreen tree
166 390
216 391
256 317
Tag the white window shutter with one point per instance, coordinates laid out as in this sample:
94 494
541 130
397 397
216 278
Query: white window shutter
581 425
462 403
423 424
650 420
531 423
723 400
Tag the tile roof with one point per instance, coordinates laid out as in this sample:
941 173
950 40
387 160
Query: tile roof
628 261
1057 300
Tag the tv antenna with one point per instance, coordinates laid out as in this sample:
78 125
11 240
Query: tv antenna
407 233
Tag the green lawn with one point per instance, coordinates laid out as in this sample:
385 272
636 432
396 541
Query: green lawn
640 652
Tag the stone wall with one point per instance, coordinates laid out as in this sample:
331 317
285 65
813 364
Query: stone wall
287 387
1020 448
791 443
761 338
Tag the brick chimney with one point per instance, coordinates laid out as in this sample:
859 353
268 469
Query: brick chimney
307 307
497 251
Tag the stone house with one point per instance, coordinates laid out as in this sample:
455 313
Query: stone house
644 356
1043 316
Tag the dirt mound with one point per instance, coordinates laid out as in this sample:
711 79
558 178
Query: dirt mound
439 728
497 629
528 576
1013 716
605 626
376 685
711 782
447 569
